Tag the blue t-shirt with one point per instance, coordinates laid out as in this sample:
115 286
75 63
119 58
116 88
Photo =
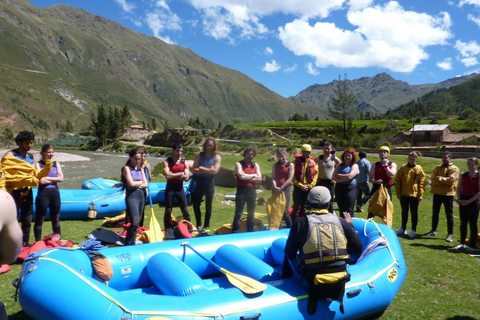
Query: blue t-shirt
364 167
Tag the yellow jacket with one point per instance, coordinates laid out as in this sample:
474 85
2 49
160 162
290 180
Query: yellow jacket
381 205
410 181
445 180
19 174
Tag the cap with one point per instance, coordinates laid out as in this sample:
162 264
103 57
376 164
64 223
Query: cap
319 195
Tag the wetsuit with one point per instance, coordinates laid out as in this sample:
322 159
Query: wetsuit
204 186
174 190
245 193
326 167
281 175
469 213
48 197
135 202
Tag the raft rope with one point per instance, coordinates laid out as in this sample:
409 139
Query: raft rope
379 243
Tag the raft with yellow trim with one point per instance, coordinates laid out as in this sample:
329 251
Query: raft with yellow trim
168 280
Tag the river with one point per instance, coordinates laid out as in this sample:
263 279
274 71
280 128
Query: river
100 165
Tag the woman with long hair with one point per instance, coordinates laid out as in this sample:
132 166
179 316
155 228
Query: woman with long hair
134 182
48 196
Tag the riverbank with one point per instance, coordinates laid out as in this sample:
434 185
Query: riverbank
59 156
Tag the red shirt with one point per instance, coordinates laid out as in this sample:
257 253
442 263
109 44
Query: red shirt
251 169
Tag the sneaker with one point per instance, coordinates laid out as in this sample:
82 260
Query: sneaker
359 208
459 246
400 232
412 234
449 238
431 233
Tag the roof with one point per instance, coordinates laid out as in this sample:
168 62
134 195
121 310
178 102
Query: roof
430 127
457 137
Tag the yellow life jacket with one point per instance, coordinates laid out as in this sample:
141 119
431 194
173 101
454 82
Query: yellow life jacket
326 240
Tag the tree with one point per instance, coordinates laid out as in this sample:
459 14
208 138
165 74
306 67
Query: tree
342 104
114 123
101 128
154 124
126 118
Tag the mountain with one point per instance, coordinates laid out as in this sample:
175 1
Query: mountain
450 101
59 63
376 94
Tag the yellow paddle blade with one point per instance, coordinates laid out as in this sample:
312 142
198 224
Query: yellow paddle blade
246 284
155 233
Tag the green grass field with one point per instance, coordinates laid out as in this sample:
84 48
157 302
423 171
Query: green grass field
440 283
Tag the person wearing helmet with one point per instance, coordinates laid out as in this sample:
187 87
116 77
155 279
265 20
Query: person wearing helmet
382 172
327 162
304 179
313 264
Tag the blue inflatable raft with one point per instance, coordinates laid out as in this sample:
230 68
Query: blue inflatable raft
106 196
156 188
168 280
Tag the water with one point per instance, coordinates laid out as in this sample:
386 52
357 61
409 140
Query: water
101 165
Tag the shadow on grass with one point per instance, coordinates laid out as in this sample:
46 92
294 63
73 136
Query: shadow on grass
461 318
21 315
436 247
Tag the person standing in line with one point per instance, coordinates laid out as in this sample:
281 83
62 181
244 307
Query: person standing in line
282 176
382 172
468 193
177 171
326 165
147 168
444 187
205 167
346 182
10 236
363 185
135 182
304 179
48 196
410 186
248 174
24 201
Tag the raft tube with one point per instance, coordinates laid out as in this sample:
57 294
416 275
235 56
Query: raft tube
167 280
156 188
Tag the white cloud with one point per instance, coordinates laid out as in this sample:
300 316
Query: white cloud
476 20
311 69
359 4
469 52
268 51
290 69
472 2
162 4
445 64
127 7
271 66
398 45
162 21
228 19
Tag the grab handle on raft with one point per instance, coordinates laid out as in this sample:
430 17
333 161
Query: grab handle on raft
244 283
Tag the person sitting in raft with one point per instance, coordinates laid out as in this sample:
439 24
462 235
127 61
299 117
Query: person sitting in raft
248 174
48 196
176 170
312 269
134 181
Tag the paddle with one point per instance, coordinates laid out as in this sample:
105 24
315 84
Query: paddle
244 283
155 233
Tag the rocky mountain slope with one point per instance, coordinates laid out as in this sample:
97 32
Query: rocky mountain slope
375 94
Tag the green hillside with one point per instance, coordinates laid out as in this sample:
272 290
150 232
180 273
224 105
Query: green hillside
60 62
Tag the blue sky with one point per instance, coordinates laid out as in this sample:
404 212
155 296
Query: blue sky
288 45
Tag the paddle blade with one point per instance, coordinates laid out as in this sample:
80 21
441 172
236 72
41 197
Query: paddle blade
155 233
246 284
